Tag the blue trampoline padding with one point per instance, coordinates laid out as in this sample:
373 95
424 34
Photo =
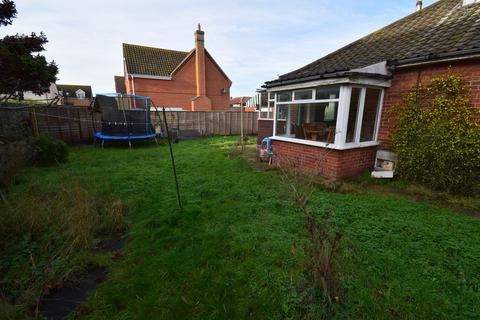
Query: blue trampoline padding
103 136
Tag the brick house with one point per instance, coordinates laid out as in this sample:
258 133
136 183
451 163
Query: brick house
332 115
245 102
191 80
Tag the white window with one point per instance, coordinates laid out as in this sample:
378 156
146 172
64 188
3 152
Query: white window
267 103
80 94
341 116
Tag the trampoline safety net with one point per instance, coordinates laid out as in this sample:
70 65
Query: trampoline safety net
125 116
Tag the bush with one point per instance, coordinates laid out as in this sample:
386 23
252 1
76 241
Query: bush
49 151
437 138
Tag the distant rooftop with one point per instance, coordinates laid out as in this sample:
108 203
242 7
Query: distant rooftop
151 61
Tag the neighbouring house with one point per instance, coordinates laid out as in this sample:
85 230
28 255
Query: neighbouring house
331 116
239 102
191 80
245 102
46 97
75 95
64 94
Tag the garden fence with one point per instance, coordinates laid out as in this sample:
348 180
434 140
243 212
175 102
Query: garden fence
77 124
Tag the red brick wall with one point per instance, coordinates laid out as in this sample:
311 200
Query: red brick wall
216 81
336 164
265 129
406 79
179 91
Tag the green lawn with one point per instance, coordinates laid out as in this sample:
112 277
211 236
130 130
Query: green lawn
236 250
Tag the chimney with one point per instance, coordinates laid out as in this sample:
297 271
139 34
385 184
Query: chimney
419 5
200 61
201 102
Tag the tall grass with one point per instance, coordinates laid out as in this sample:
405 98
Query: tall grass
47 236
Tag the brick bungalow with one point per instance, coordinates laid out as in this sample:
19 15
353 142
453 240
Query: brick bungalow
191 80
333 114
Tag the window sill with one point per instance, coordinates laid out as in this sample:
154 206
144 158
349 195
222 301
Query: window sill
327 145
265 119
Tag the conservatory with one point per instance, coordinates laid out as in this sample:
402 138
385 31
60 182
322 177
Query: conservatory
339 116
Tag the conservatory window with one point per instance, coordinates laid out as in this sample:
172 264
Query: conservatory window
309 121
313 115
284 96
267 105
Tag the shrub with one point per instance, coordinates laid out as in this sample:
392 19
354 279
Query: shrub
48 151
437 138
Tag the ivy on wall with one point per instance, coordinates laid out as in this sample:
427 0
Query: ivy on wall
437 138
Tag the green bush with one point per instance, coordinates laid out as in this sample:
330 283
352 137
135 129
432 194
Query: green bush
437 138
48 151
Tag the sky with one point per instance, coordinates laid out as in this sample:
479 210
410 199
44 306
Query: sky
252 40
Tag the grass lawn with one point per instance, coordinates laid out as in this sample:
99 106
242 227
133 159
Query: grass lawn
236 250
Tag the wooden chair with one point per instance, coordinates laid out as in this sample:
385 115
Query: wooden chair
331 134
314 131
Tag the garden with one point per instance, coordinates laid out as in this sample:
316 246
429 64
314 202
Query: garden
239 248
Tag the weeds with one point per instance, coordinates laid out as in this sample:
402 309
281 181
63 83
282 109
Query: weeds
46 237
325 244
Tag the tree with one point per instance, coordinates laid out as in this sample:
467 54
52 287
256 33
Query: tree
22 68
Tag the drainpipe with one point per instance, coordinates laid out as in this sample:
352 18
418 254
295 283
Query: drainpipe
133 84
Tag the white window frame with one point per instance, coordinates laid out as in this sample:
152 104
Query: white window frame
342 118
270 107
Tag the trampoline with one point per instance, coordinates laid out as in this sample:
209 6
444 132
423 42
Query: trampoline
124 117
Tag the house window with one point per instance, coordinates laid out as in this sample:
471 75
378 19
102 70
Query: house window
317 120
284 96
304 95
267 105
80 94
327 93
370 111
352 114
308 121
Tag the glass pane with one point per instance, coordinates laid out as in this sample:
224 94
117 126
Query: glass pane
303 95
316 122
352 114
284 96
263 99
326 93
283 120
271 96
372 100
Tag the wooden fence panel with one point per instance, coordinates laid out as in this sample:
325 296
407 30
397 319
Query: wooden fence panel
78 124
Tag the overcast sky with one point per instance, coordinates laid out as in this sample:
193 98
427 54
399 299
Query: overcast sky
252 40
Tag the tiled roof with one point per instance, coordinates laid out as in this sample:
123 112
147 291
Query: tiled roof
444 28
120 84
71 89
239 100
150 61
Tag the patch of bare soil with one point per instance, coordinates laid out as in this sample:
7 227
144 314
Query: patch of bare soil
61 301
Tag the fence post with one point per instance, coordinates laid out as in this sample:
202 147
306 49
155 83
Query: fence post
80 133
34 122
